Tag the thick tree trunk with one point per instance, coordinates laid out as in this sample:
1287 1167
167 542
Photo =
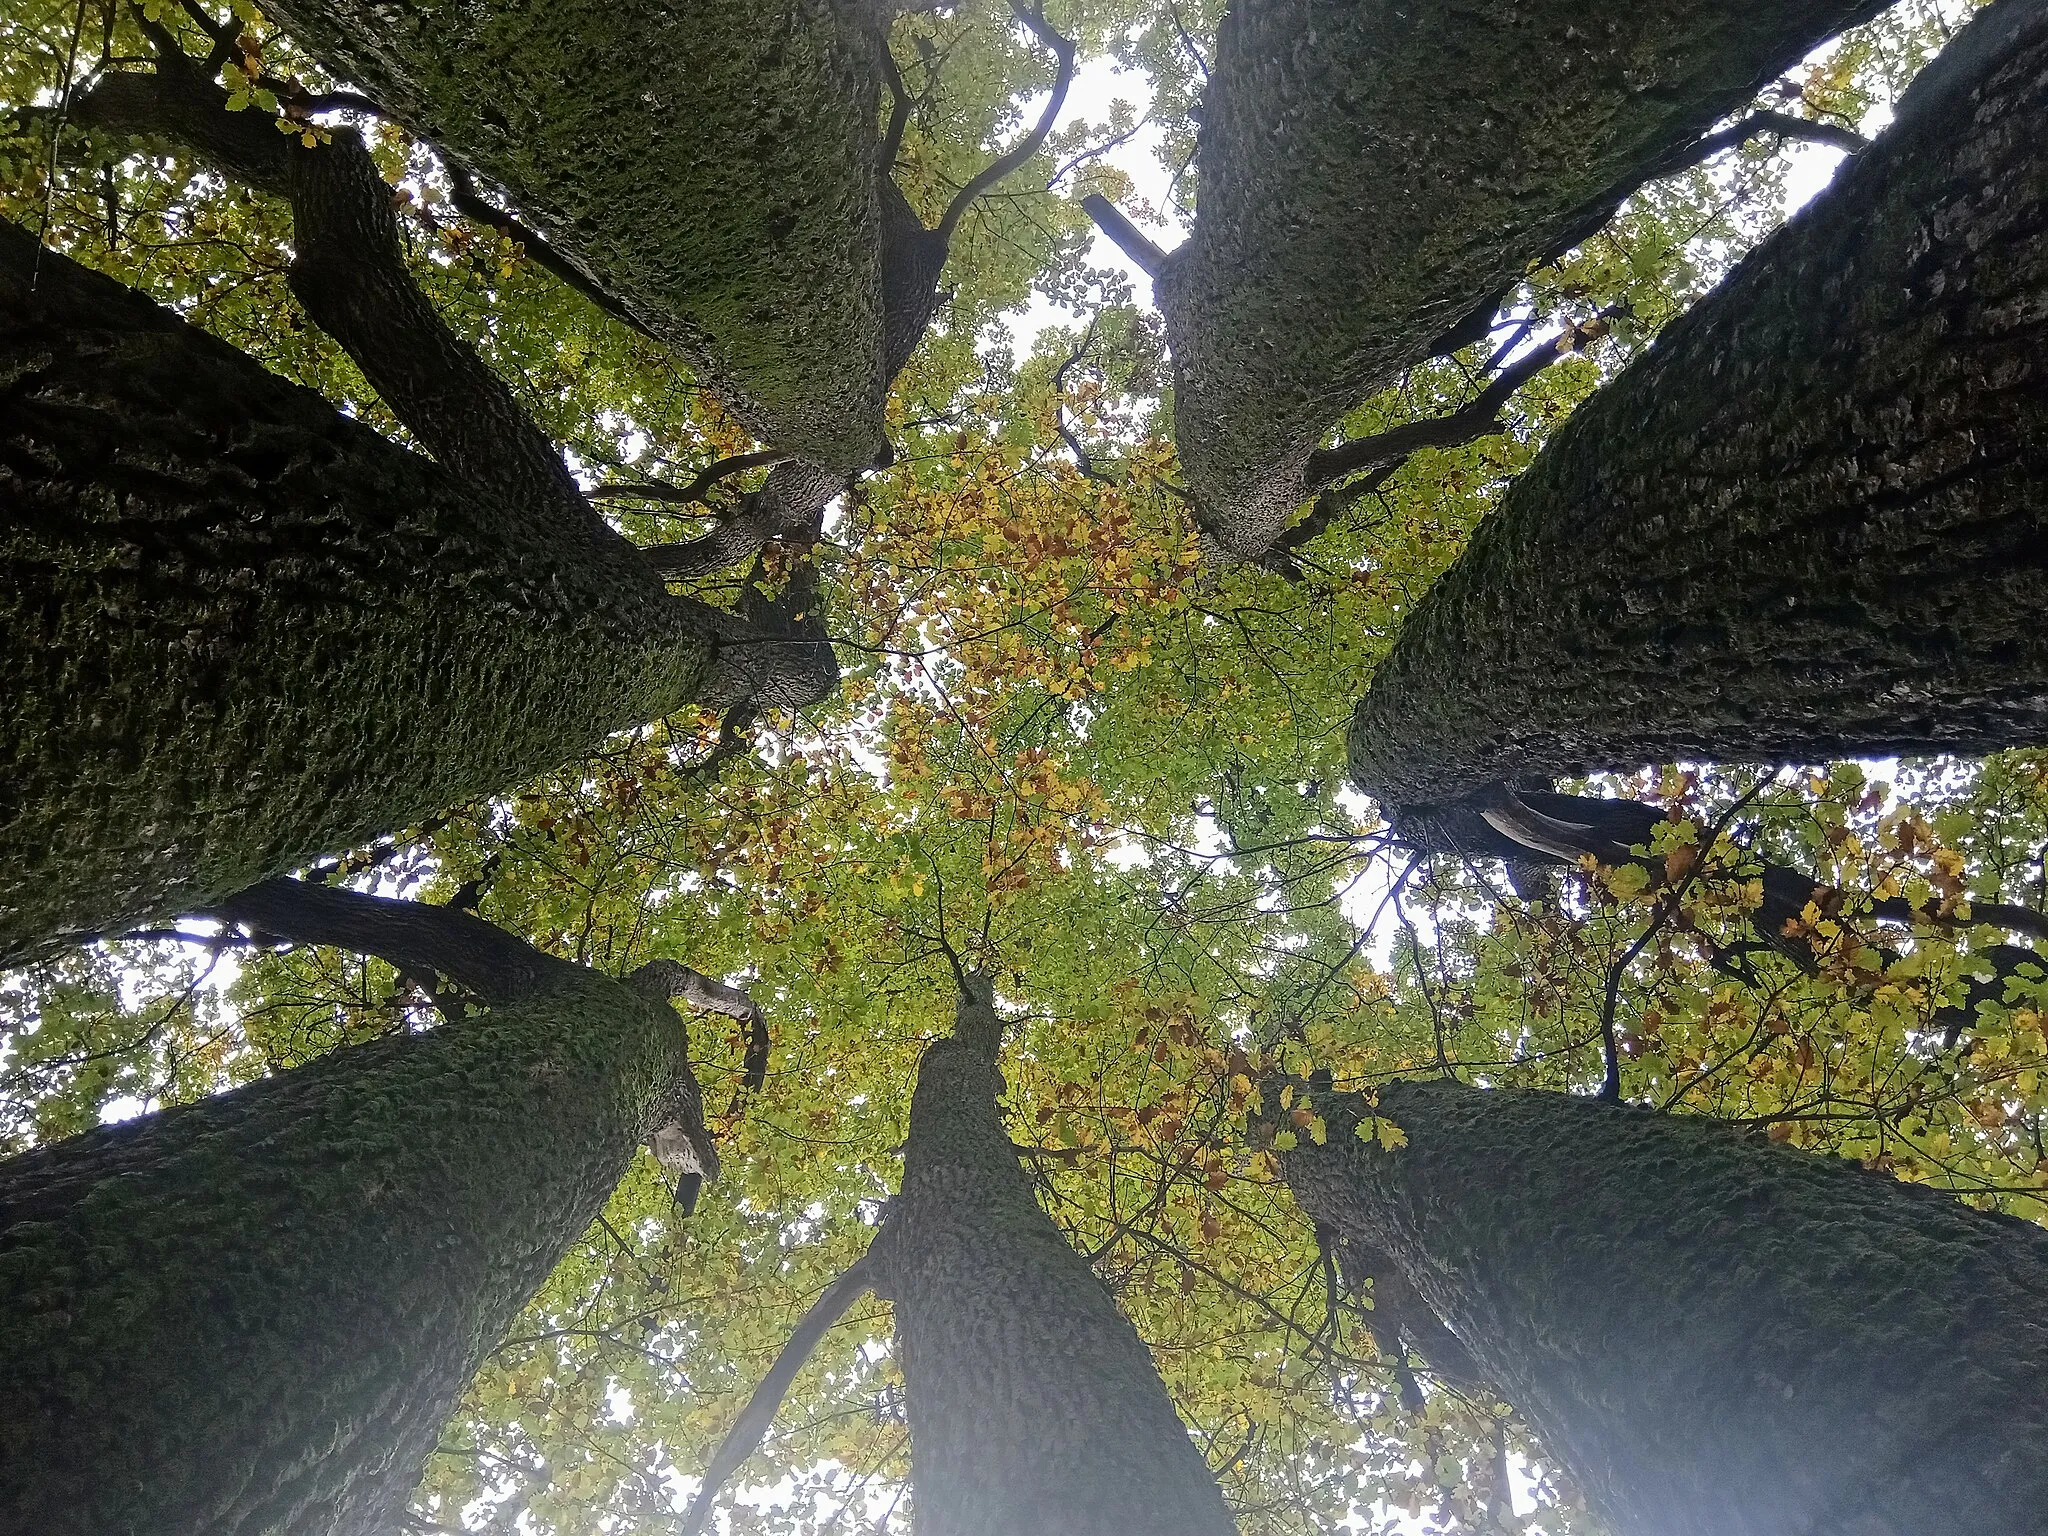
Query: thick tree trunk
1034 1406
253 1313
240 629
711 165
1717 1336
1376 175
1812 522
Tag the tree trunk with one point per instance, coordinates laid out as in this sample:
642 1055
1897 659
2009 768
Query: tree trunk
1375 176
712 165
241 630
1718 1337
253 1313
1034 1406
1812 522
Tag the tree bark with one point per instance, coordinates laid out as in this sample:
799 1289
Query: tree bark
1718 1337
241 630
1812 522
710 165
1375 177
252 1314
1034 1406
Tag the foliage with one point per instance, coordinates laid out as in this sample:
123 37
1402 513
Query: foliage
1070 750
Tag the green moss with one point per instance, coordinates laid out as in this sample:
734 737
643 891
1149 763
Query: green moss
711 164
243 630
252 1314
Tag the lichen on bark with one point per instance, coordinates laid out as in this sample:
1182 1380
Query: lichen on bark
1033 1403
1717 1336
712 165
252 1314
242 630
1373 173
1812 522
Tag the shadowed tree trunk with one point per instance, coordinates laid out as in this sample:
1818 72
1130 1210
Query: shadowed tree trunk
1375 176
1718 1337
710 165
1033 1404
1812 522
251 1314
242 630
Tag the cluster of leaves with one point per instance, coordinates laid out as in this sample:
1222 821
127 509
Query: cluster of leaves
1070 751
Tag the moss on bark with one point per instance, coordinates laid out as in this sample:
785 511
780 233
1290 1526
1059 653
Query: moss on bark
1719 1337
1812 522
712 165
1373 172
252 1314
1034 1406
241 630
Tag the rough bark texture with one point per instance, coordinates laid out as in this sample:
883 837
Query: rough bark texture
1373 174
1718 1337
252 1314
711 165
241 630
1812 522
1034 1406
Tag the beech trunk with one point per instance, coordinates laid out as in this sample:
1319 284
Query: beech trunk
1812 522
241 629
711 165
1717 1336
252 1314
1034 1405
1375 176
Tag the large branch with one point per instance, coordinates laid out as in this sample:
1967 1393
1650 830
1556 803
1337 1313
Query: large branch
913 257
1811 523
742 228
349 272
789 506
1348 220
415 937
745 1436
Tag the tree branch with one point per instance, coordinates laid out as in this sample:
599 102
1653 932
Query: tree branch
1756 125
349 273
471 205
1063 51
1123 234
1083 460
698 489
1479 418
411 935
790 506
747 1431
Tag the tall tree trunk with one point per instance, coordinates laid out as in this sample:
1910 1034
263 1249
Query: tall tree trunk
1717 1336
241 629
711 165
252 1314
1034 1406
1375 176
1812 522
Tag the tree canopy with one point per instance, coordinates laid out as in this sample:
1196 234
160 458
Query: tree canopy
1070 749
